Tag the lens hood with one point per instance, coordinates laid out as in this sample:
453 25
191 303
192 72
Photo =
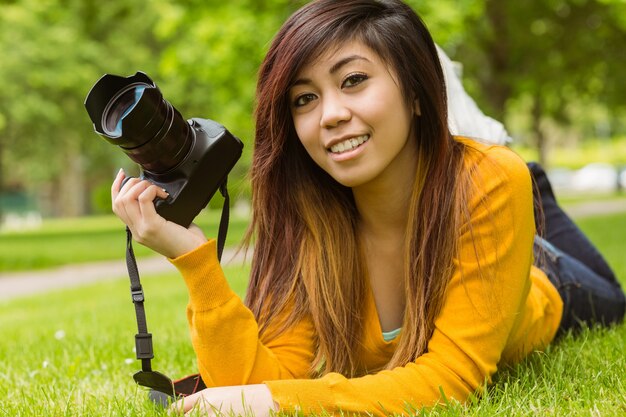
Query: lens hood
130 112
105 92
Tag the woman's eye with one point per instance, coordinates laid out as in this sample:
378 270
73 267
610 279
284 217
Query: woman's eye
303 100
353 79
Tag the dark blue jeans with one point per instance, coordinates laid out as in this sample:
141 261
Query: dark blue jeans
591 294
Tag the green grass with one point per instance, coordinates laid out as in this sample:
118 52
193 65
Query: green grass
575 156
70 353
100 238
570 199
88 239
608 233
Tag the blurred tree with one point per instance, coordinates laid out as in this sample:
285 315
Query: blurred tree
204 55
209 65
52 52
553 53
448 20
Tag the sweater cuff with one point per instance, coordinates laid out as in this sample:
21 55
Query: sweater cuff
203 275
302 395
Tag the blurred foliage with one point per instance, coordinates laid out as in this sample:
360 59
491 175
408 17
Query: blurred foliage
538 64
547 64
609 151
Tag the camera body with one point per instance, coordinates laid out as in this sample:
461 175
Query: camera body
189 159
193 182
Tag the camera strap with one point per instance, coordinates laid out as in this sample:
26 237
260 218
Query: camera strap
143 339
224 220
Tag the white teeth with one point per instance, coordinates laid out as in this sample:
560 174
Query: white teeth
349 144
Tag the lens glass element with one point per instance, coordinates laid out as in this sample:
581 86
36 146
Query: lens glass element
119 107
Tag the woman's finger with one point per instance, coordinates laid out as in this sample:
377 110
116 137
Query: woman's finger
146 201
128 185
117 183
117 193
185 404
126 205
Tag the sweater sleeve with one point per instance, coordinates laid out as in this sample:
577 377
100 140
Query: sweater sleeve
484 298
225 334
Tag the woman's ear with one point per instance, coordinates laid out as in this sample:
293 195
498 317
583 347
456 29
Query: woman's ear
416 107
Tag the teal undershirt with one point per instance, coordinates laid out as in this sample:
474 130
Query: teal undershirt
389 336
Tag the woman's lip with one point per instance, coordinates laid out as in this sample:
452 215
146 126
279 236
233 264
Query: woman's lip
347 155
346 138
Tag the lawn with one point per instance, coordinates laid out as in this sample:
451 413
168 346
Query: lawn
99 238
70 353
576 155
88 239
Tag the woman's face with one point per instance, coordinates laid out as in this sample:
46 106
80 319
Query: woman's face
351 117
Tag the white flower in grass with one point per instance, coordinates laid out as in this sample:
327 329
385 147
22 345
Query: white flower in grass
128 361
45 364
59 334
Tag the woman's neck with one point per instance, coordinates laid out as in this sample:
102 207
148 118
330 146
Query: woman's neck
384 209
383 205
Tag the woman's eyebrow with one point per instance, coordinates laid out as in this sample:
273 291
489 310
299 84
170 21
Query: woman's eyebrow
336 67
301 81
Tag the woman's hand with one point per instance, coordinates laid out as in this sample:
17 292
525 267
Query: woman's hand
134 205
242 400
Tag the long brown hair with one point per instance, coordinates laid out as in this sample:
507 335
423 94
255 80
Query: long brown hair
306 256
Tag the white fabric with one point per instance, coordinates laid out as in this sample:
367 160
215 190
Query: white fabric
464 116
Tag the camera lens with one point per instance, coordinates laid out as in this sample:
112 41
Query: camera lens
119 107
132 114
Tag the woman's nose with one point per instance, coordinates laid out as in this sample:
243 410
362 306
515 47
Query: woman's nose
334 112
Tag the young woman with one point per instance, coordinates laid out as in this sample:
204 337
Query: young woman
393 263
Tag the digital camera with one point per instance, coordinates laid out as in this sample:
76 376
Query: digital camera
189 159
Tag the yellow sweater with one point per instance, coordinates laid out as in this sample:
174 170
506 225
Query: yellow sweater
493 314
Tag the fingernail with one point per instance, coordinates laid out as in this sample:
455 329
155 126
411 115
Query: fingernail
121 171
165 191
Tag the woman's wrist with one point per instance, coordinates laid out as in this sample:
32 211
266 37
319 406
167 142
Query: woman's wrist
184 245
174 241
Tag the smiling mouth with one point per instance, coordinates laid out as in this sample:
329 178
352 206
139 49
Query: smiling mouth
349 144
